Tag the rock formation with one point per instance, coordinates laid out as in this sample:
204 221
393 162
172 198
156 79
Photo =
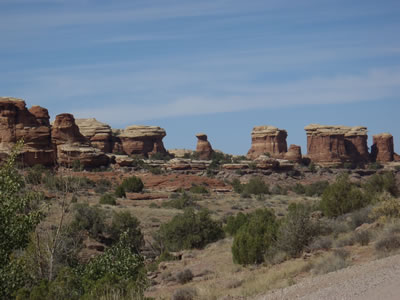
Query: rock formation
17 122
143 140
336 144
267 139
203 148
293 154
99 134
71 145
382 149
180 153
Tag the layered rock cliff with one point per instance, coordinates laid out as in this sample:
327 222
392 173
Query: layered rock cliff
382 149
143 140
267 139
99 134
336 144
17 122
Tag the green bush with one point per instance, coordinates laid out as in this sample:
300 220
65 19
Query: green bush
132 185
299 189
184 276
187 293
375 166
102 186
199 189
120 192
256 186
124 223
108 199
184 201
35 174
297 230
77 166
237 186
233 223
160 156
316 188
278 190
379 183
342 197
190 230
253 239
88 218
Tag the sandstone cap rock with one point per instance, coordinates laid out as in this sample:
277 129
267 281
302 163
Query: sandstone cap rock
137 131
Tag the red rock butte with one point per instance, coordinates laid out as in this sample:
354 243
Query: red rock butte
203 148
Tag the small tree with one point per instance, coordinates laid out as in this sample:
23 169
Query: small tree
342 197
253 239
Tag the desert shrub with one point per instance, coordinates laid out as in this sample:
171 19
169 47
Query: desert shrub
245 195
278 190
199 189
153 205
35 174
297 230
253 239
132 185
218 158
237 186
361 216
187 293
160 156
190 230
88 218
321 243
330 263
299 189
363 237
342 197
345 240
233 223
379 183
387 206
120 192
124 223
155 170
67 184
184 276
67 285
388 243
77 166
375 166
184 201
316 188
102 186
108 199
256 186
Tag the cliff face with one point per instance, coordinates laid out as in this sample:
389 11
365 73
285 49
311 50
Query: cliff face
267 139
17 122
143 140
203 147
382 149
99 134
71 145
336 144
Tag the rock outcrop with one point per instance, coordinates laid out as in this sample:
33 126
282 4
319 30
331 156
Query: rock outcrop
99 134
203 148
336 144
382 149
180 153
293 154
71 145
17 122
143 140
267 139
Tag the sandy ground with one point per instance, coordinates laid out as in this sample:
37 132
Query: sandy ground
379 279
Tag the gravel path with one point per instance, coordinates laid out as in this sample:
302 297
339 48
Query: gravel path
379 279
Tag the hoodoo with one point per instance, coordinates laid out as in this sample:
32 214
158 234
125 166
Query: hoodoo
203 148
267 139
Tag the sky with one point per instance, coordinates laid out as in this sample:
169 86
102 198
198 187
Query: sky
215 66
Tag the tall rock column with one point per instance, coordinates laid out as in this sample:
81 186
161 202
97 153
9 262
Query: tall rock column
383 148
267 139
203 147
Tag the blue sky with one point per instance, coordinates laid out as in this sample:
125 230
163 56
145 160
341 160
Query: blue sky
219 67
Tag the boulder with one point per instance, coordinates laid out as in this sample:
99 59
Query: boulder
18 123
382 149
71 145
203 148
293 154
336 144
143 140
267 139
99 134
